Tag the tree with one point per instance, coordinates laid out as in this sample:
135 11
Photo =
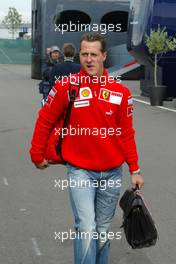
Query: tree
12 21
158 42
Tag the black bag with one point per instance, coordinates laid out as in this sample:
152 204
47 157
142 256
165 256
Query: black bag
138 225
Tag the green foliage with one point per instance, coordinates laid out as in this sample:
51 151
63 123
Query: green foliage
159 42
12 21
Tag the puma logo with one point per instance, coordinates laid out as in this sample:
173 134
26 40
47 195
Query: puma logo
109 113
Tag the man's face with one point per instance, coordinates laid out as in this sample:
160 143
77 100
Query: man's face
55 55
92 58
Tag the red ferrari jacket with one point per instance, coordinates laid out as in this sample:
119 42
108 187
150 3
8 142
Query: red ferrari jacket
100 135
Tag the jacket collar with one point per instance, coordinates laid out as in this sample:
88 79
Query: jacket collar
93 79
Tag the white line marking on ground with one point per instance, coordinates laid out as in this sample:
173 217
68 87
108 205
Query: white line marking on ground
22 210
35 247
5 181
166 108
161 107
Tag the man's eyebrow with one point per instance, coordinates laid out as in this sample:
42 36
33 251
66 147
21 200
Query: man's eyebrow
91 53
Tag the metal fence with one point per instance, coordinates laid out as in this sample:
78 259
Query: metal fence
15 51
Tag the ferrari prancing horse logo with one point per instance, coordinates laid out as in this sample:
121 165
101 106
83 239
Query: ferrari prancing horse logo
110 96
105 94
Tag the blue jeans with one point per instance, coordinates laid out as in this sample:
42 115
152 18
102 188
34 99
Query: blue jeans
93 197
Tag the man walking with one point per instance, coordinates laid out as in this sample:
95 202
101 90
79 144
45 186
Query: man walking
102 117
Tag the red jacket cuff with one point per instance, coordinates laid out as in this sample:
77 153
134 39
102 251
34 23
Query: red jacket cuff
37 158
133 167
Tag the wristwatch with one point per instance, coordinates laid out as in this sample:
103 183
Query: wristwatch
136 172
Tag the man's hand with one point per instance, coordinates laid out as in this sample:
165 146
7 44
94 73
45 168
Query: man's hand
43 165
137 179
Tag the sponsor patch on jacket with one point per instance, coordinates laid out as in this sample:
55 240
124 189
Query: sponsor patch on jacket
53 92
49 100
129 110
84 93
130 106
81 104
110 96
130 100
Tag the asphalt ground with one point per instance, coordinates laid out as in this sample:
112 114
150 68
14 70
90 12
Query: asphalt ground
33 207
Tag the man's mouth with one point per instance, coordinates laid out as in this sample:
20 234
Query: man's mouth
90 66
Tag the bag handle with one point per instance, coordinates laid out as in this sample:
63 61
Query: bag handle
72 95
136 188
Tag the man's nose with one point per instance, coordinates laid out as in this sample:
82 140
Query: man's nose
89 58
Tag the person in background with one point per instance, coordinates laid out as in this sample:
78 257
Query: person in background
68 66
53 55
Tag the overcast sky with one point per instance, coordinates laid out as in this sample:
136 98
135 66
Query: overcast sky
23 7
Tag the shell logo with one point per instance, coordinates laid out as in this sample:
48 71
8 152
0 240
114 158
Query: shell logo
85 93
